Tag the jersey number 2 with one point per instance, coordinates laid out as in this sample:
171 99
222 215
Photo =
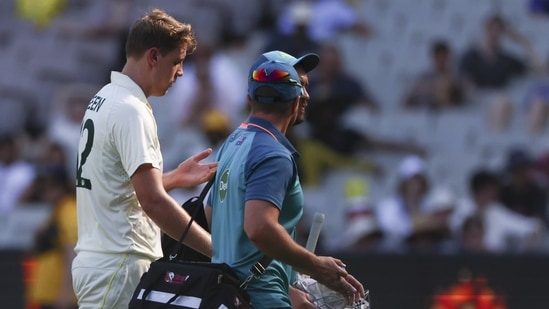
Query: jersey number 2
82 182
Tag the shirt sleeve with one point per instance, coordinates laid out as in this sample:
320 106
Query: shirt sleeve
135 138
269 180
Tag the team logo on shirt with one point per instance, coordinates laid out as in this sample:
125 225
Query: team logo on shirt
223 185
240 140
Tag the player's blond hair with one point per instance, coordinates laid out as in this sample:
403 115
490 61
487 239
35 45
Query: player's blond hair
160 30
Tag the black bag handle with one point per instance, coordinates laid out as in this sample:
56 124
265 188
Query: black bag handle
195 199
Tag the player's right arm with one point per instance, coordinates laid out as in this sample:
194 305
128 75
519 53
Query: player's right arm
165 211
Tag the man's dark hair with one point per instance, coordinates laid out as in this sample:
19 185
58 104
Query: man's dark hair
277 107
495 21
482 179
439 46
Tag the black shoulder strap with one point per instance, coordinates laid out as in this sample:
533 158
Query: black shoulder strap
199 200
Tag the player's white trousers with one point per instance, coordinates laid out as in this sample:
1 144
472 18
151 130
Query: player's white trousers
106 281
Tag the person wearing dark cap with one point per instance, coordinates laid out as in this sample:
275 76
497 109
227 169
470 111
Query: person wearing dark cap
521 192
257 200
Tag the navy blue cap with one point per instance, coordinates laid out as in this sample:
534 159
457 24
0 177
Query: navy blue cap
307 62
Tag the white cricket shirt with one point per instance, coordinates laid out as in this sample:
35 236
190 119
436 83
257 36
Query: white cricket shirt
118 134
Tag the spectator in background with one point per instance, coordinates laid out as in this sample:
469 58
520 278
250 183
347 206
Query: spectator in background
296 41
431 228
69 107
521 193
215 126
16 174
41 13
396 214
212 81
330 143
325 19
470 237
333 82
438 88
488 65
481 211
53 250
51 161
20 112
362 231
320 158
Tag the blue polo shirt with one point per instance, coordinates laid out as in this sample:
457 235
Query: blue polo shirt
256 162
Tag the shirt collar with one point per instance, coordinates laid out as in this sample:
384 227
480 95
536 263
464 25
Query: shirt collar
274 131
125 81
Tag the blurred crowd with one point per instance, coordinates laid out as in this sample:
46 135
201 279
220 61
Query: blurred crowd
58 54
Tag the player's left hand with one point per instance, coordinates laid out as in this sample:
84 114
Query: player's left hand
191 172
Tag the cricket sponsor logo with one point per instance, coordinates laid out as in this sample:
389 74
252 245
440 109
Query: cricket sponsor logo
223 185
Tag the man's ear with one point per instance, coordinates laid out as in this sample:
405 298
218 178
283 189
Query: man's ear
295 105
152 55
